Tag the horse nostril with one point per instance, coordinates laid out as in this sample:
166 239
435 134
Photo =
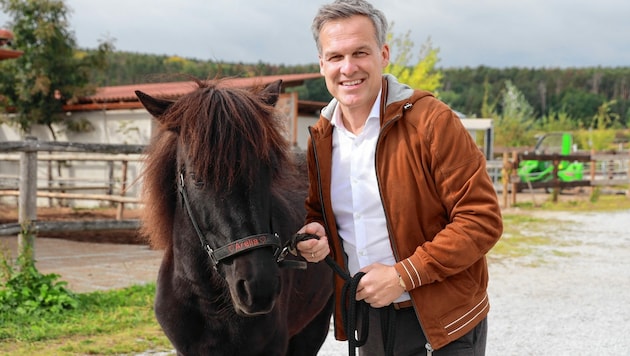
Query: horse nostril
244 294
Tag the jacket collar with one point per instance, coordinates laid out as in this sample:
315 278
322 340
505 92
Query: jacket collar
392 91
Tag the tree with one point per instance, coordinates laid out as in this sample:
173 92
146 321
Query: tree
422 74
516 119
51 72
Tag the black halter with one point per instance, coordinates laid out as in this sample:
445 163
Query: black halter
240 246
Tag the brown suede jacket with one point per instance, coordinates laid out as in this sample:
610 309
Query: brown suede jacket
441 208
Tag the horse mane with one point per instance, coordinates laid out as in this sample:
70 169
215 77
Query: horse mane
228 133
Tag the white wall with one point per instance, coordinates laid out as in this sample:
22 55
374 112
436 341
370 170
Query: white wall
302 130
109 127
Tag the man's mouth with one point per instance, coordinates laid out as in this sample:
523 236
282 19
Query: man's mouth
351 83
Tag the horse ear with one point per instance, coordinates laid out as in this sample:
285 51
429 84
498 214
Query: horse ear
271 92
154 106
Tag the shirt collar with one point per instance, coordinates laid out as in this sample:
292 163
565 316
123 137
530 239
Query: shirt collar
374 112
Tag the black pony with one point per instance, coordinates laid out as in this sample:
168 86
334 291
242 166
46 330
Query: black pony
223 193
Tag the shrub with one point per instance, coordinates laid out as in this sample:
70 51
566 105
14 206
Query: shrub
24 290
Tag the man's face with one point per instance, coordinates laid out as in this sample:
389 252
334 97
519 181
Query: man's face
352 62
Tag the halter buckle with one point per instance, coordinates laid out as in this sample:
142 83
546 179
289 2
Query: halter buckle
213 258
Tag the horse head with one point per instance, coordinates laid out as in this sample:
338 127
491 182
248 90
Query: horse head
225 147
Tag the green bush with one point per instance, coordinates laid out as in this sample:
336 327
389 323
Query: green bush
24 290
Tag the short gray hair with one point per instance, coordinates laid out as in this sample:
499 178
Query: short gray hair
343 9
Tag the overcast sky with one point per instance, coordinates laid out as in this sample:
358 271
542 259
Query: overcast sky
495 33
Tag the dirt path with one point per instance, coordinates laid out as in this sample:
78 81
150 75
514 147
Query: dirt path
568 297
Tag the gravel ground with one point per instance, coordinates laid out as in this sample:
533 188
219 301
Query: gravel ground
569 297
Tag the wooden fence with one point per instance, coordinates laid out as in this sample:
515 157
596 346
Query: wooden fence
28 225
609 174
28 192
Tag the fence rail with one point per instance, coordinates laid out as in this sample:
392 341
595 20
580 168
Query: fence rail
611 176
69 225
28 192
604 169
33 145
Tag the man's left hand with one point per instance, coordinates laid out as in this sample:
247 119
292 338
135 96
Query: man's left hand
379 286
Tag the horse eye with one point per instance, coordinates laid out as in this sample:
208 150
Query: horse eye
197 181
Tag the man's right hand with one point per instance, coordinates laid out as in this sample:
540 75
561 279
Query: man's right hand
313 250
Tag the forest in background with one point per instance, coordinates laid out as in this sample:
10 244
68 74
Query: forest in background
577 93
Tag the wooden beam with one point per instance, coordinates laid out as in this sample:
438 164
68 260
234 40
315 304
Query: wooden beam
71 225
114 198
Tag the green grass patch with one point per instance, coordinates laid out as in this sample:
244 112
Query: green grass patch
599 203
524 235
104 323
595 202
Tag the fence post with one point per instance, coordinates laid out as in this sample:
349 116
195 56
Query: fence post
27 204
506 171
515 162
556 180
123 190
592 171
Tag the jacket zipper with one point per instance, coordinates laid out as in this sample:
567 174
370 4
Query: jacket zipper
387 219
428 346
319 181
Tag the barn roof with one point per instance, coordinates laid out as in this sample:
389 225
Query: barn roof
7 53
124 97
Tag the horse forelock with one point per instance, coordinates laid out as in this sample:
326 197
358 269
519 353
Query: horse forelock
228 133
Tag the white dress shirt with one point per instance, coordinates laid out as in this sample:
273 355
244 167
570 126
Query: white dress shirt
355 196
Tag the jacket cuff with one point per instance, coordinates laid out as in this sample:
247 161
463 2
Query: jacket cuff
409 274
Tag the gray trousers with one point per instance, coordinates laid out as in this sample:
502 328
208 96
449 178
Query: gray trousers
410 340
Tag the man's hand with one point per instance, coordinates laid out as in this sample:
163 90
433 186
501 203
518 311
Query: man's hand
379 287
313 250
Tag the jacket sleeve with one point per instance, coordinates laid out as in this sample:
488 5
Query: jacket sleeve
313 203
466 221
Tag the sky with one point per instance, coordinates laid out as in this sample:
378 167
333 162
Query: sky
493 33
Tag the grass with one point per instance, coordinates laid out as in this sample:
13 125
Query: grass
105 323
522 236
527 235
593 202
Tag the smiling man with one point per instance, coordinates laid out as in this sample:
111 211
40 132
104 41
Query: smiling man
399 192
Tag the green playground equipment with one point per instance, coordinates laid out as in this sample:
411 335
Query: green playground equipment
541 171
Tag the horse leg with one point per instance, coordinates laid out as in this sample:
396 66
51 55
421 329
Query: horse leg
312 337
180 322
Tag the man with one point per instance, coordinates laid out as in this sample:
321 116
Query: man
398 191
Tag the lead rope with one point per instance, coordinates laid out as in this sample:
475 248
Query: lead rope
356 308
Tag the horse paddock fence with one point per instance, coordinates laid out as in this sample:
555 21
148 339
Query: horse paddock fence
600 170
75 163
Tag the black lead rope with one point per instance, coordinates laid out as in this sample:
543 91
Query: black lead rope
349 314
355 309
